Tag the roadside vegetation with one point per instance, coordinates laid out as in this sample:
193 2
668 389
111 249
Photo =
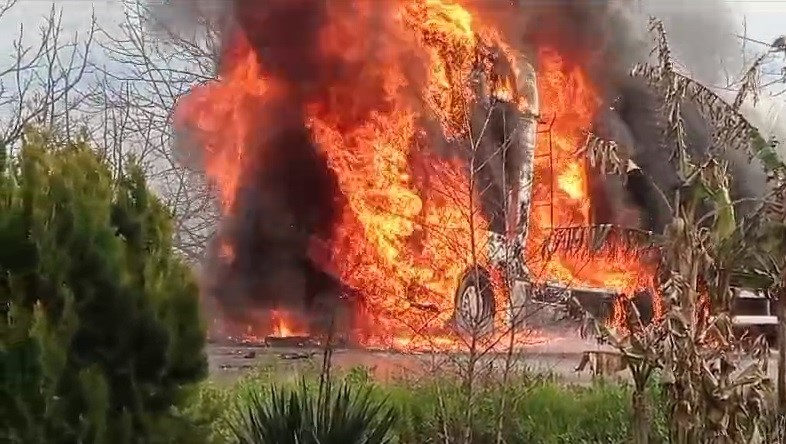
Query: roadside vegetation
429 409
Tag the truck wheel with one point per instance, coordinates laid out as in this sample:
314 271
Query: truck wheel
474 307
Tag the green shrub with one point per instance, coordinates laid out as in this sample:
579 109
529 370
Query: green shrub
554 414
100 328
209 408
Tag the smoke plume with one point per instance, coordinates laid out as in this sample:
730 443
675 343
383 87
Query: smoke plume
287 193
608 38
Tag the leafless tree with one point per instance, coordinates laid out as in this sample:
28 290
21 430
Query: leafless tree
39 82
118 86
148 66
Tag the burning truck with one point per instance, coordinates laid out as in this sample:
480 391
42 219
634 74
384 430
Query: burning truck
631 237
404 178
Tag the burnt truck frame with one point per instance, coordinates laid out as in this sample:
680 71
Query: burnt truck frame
474 303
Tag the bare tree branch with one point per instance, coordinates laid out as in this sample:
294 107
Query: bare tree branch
148 68
39 83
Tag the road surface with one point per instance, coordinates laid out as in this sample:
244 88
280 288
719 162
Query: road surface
559 357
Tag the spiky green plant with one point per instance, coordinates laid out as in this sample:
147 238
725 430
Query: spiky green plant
346 414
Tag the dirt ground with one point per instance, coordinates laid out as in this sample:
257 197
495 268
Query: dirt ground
558 350
559 357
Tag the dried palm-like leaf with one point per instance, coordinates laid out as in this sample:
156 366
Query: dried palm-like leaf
606 239
711 401
605 156
730 129
751 82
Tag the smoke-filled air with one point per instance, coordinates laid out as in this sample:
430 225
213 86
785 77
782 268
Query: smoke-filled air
367 154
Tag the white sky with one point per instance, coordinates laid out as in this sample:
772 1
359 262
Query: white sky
765 19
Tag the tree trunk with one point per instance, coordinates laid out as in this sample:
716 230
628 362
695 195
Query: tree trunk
641 422
781 308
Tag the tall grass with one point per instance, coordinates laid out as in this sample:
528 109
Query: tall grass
426 411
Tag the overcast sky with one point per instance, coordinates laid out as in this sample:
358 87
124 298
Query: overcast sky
765 19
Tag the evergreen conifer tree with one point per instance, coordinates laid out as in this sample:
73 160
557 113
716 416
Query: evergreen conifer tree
100 333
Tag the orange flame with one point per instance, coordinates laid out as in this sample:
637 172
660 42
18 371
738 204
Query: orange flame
560 192
283 324
402 240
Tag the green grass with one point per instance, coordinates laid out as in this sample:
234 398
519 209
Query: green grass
540 409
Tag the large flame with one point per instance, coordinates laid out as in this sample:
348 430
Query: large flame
404 241
561 185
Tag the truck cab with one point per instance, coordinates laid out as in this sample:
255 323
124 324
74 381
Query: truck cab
475 302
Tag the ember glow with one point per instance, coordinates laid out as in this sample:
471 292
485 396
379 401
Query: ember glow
408 220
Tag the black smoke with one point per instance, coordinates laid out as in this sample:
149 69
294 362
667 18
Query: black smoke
288 197
607 38
288 201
